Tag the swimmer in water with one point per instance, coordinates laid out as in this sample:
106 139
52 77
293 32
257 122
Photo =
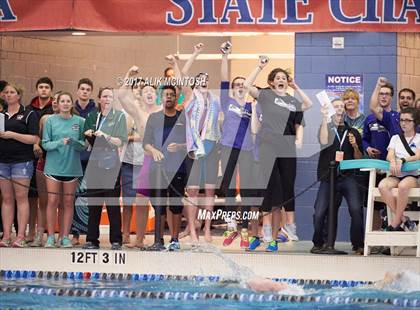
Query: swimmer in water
260 284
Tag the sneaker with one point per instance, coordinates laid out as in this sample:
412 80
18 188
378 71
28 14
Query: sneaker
115 246
173 246
90 246
376 250
290 231
316 249
5 243
254 243
230 236
272 247
358 251
282 237
20 243
66 242
244 238
386 251
391 228
50 242
37 241
409 225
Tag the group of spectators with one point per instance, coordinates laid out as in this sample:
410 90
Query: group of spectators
163 145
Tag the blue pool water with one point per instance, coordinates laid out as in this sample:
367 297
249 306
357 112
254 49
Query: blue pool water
40 293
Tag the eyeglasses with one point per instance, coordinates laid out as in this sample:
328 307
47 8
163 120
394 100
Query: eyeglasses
384 94
404 120
237 84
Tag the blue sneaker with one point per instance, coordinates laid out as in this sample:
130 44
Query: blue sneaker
282 237
272 246
66 242
173 246
254 243
50 242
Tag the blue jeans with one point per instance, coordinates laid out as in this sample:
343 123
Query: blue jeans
344 187
23 170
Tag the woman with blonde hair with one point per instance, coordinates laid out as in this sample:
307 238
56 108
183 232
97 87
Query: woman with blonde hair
63 140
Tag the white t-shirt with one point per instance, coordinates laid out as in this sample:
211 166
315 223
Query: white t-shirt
400 151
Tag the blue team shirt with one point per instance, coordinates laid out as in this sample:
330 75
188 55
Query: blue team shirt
391 121
236 128
375 135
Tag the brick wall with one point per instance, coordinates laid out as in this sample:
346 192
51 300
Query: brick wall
408 53
66 59
370 54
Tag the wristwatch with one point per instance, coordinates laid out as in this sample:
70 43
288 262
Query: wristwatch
403 160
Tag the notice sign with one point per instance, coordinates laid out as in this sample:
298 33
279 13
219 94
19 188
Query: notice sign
336 84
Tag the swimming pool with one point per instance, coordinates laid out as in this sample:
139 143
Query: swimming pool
39 290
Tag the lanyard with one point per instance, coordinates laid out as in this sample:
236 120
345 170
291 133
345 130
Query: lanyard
99 124
340 140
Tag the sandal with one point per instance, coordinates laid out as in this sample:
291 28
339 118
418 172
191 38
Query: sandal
5 243
19 243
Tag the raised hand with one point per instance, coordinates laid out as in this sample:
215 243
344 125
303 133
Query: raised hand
291 83
133 71
198 48
382 81
352 140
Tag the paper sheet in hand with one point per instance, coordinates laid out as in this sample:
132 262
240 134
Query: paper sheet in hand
325 100
1 122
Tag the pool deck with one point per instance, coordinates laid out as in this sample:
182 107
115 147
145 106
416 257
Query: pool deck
292 261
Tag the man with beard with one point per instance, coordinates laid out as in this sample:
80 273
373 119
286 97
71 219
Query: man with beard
406 98
164 140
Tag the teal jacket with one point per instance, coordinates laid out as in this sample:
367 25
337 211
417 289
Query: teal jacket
63 159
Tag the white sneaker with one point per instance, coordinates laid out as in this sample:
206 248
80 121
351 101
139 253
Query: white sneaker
290 231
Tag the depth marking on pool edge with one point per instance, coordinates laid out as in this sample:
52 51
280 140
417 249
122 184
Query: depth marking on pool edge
98 257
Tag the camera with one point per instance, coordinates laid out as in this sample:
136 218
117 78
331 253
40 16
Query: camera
225 47
264 59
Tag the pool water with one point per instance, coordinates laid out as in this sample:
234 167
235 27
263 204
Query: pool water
188 294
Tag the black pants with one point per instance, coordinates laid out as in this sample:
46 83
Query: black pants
174 191
96 199
232 159
282 175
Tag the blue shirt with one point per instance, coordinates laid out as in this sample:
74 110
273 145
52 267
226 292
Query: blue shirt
375 135
236 128
391 121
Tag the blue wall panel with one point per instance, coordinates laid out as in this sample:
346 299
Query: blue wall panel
371 54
